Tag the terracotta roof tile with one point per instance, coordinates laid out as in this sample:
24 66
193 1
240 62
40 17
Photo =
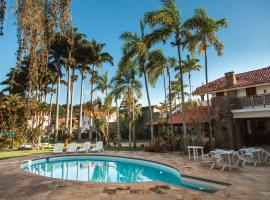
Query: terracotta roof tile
200 113
255 77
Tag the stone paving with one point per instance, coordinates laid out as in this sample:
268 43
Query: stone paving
246 183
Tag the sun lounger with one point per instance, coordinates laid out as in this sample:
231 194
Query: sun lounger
98 147
85 147
72 147
58 148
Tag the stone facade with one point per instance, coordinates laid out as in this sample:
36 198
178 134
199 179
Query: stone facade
226 131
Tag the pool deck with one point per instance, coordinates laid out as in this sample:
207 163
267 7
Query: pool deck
246 183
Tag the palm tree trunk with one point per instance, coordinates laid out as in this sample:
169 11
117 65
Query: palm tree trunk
81 108
91 102
50 113
150 109
207 99
133 119
57 106
108 121
190 88
182 94
71 106
170 96
165 99
134 134
68 96
118 124
129 134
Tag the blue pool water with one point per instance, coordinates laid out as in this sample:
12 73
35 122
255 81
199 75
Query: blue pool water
108 169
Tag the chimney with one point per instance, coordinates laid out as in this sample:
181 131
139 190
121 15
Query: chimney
230 79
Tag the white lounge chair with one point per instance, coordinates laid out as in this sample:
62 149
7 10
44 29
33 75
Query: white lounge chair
98 147
58 148
85 147
72 147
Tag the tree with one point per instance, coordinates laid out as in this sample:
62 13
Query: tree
190 64
84 70
126 84
138 48
97 58
204 29
57 55
3 7
103 85
168 22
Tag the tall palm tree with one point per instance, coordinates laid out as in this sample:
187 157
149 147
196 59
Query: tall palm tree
204 29
97 58
74 41
84 70
57 55
138 47
168 23
74 78
103 85
190 64
126 84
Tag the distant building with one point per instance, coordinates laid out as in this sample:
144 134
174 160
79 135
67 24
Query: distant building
240 107
197 115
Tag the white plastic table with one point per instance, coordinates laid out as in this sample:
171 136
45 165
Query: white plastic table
195 151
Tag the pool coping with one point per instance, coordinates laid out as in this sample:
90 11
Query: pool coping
213 183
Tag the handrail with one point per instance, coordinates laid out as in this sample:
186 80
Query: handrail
251 101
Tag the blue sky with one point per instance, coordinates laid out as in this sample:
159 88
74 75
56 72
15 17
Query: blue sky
246 40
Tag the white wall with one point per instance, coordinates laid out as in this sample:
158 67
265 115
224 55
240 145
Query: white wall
241 93
260 89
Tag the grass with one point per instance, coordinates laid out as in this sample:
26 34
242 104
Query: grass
123 148
17 153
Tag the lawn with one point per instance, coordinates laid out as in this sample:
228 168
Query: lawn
17 153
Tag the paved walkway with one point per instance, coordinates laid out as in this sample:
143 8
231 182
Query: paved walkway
247 183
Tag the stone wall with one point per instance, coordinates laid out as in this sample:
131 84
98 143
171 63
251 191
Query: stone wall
226 132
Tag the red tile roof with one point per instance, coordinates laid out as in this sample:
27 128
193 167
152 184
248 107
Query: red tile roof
196 114
255 77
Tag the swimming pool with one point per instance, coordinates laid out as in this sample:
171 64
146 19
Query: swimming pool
109 169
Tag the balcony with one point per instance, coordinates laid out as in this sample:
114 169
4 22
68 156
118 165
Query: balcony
252 102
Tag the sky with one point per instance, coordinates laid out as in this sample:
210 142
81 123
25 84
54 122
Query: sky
246 39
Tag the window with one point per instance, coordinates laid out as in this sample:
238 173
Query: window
251 91
220 94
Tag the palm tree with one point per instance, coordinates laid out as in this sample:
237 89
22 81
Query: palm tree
103 85
190 64
74 40
204 29
57 54
138 47
126 84
97 58
84 70
74 78
168 23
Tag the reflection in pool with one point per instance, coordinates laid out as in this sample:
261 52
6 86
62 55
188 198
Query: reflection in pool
108 169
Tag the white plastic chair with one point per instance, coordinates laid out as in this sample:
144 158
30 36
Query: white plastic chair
72 147
58 148
98 147
85 147
248 155
216 159
265 156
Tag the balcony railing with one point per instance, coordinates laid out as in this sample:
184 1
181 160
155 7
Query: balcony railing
252 101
